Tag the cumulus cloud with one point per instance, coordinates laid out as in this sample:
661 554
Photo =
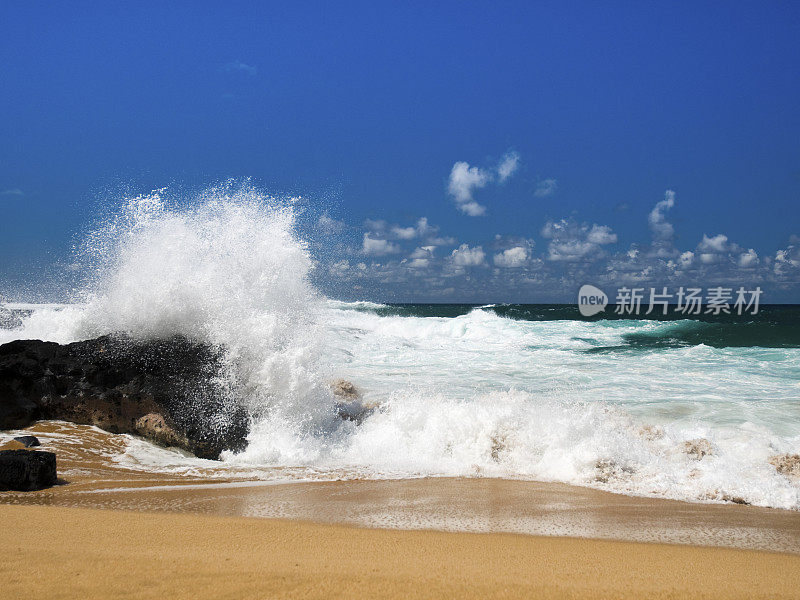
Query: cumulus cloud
713 249
718 243
425 229
421 257
546 187
421 229
570 241
339 268
464 256
378 247
423 252
786 261
376 225
686 259
465 180
601 235
574 251
508 165
329 225
748 259
237 66
430 234
419 263
663 231
404 233
512 257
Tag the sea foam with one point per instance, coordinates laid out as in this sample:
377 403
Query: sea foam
474 395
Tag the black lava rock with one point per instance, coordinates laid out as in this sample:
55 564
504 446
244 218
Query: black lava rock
29 441
113 381
27 470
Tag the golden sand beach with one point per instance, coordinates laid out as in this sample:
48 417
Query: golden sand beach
56 552
119 532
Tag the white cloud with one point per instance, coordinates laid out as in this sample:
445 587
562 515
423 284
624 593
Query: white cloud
422 229
748 259
473 209
12 192
572 242
717 249
329 225
601 234
425 229
464 180
464 256
404 233
718 243
786 260
686 259
423 252
663 231
570 250
708 258
508 165
419 263
378 247
238 66
546 187
375 225
512 257
339 268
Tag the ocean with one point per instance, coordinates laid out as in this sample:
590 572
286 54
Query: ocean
690 409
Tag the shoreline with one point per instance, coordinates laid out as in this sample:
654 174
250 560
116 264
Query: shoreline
95 553
452 505
117 531
471 505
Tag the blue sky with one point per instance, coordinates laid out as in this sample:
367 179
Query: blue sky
383 114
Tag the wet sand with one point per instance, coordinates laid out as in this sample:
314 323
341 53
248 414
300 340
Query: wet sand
113 531
448 504
57 552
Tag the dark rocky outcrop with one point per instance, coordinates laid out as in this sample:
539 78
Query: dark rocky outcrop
27 470
29 441
155 427
166 390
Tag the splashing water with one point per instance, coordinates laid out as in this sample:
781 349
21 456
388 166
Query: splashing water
469 394
226 269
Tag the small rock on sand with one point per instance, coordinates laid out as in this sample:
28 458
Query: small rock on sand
29 441
27 470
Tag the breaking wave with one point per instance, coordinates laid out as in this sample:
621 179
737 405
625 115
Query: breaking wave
679 409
